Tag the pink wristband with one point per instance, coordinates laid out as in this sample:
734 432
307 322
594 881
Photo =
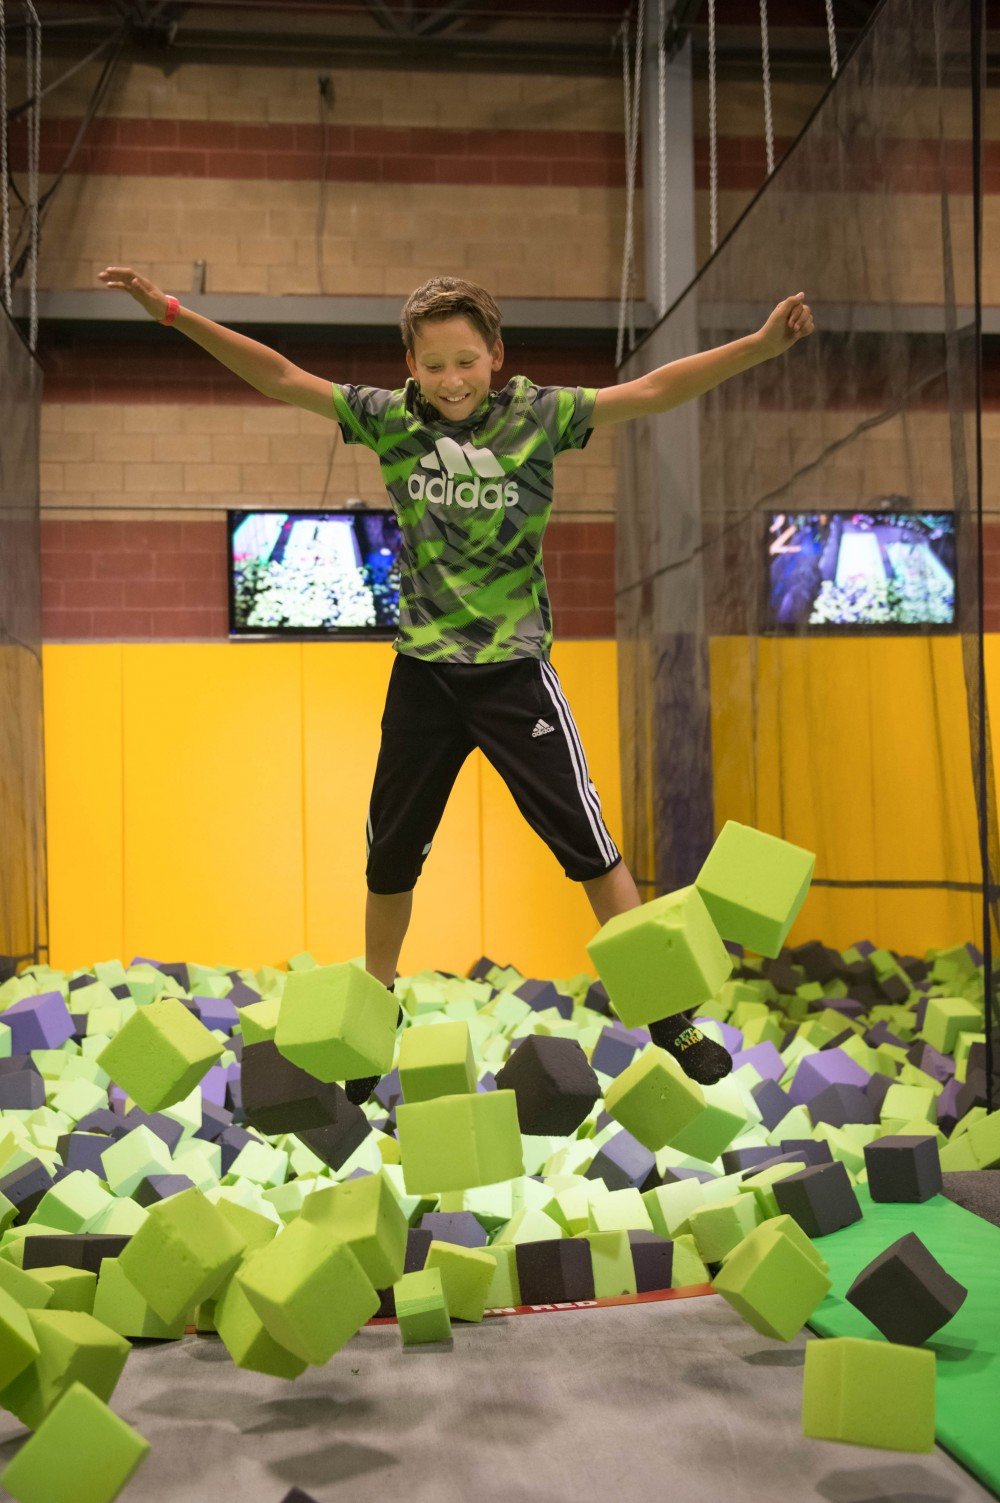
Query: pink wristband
173 308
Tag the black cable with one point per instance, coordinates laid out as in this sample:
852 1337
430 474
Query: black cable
976 18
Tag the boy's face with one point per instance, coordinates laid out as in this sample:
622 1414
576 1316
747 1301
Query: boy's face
452 365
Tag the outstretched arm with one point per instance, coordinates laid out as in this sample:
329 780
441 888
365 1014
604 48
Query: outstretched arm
261 367
693 375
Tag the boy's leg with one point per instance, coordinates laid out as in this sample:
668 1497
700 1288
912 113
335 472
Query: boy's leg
699 1057
387 918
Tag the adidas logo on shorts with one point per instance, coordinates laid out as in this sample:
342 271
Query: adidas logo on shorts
542 728
462 475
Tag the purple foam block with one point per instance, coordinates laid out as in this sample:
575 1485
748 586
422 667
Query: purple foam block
613 1052
82 1150
241 995
102 1120
216 1012
840 1104
174 968
214 1121
165 1128
816 1072
232 1142
919 1014
738 1160
848 1007
815 1152
876 1090
772 1102
542 994
732 1038
117 1099
622 1163
21 1089
41 1022
156 1187
488 1083
881 1033
213 1085
671 1176
459 1227
933 1063
597 999
864 947
388 1091
765 1059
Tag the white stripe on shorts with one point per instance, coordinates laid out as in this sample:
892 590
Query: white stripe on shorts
588 793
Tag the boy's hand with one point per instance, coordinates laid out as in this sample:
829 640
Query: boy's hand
791 321
145 292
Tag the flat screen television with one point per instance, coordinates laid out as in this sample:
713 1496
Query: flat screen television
314 573
838 572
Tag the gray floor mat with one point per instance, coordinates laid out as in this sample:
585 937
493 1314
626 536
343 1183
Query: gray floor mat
677 1401
976 1190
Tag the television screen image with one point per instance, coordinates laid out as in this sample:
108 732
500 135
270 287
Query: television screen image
315 573
832 570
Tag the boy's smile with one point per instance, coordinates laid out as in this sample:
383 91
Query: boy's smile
452 365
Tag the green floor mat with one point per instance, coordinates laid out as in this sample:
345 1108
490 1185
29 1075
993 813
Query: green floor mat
968 1347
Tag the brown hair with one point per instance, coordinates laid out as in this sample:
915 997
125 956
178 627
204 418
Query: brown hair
450 297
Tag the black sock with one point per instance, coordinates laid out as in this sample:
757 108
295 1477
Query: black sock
359 1090
699 1057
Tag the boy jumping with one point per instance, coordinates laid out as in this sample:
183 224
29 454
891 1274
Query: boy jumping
469 473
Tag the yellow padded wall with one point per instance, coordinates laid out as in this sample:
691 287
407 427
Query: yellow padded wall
863 756
213 801
83 793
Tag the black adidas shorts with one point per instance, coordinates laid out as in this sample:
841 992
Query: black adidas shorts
517 714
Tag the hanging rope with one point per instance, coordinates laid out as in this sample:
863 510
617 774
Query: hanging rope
4 196
765 53
832 34
661 139
633 93
713 134
34 78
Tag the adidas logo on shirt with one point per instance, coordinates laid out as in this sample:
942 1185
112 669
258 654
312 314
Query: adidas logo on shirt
542 728
462 475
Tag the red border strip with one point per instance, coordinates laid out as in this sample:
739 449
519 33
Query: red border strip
655 1296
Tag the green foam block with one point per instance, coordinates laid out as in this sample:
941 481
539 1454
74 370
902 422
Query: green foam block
661 958
753 885
457 1142
871 1393
771 1283
160 1054
436 1061
365 1215
421 1308
72 1288
72 1347
18 1346
312 1295
653 1099
247 1339
181 1254
338 1022
466 1276
80 1453
611 1260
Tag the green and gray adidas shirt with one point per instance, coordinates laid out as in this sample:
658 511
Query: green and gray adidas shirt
472 499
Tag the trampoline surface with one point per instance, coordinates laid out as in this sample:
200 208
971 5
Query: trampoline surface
677 1400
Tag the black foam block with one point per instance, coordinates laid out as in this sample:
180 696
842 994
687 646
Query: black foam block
838 1104
279 1097
772 1102
906 1293
652 1260
555 1271
459 1227
821 1199
336 1141
903 1168
418 1244
25 1186
74 1250
156 1187
553 1084
623 1163
597 999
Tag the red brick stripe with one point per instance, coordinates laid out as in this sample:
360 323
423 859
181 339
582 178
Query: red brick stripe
166 581
124 147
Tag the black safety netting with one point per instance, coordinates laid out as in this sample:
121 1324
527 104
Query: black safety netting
738 700
23 912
